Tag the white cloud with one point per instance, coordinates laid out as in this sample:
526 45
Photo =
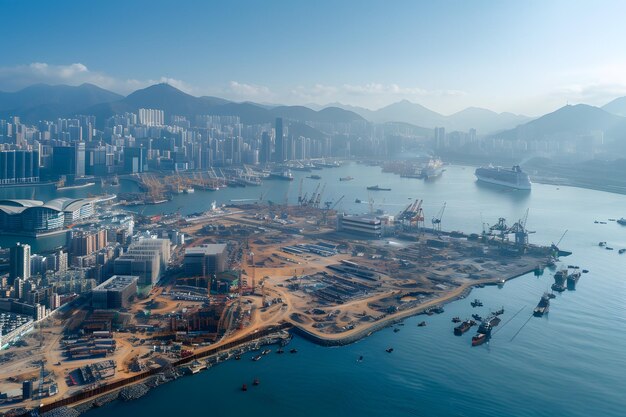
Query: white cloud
249 91
20 76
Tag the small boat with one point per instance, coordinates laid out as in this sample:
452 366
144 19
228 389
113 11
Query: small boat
477 317
602 244
244 387
280 351
238 357
360 359
543 307
358 201
585 271
479 339
315 177
608 248
498 312
389 350
456 319
256 358
256 382
348 178
476 303
294 350
551 295
421 324
266 351
396 330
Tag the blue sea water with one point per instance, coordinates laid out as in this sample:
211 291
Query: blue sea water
570 363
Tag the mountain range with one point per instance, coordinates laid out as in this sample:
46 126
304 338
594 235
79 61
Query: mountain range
571 121
41 101
483 120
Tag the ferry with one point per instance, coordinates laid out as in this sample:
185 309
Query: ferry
513 178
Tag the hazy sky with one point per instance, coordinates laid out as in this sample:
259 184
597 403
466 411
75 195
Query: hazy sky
521 56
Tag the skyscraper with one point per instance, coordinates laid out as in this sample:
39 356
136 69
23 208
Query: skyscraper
19 262
279 149
266 148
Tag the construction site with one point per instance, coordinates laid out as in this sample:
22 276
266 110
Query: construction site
333 278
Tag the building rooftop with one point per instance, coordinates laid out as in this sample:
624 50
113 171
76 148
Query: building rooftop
117 282
209 249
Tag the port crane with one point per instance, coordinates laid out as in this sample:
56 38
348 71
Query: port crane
413 214
436 221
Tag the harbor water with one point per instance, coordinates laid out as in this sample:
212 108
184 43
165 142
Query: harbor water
568 363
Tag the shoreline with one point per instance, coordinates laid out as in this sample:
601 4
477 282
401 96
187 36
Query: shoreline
100 396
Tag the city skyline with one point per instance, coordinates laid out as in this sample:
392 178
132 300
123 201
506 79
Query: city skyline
521 58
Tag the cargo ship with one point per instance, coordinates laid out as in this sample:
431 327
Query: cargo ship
543 306
377 188
284 175
463 327
513 178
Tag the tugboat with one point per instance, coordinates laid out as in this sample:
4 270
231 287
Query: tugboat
358 201
456 319
389 350
543 306
396 330
377 188
477 317
476 303
421 324
483 335
463 327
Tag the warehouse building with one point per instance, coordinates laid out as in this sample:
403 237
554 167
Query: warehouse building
363 225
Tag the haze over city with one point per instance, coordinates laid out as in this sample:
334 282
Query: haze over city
323 208
523 57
